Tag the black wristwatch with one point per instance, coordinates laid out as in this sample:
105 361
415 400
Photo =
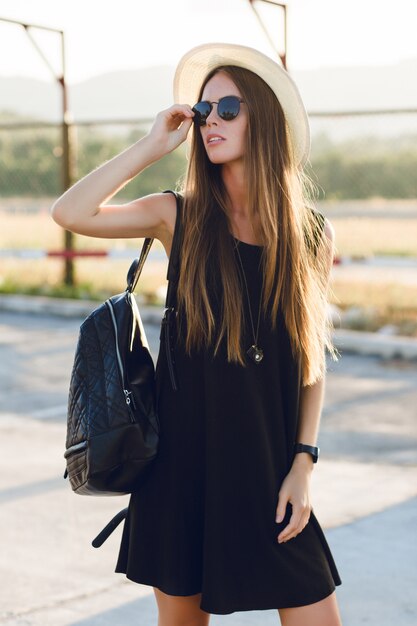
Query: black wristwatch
303 447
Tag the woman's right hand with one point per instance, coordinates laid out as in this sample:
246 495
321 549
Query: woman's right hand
171 127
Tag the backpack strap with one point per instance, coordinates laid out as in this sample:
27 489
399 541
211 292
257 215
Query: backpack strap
109 528
135 269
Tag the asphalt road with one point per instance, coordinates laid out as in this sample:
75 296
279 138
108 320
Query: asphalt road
364 487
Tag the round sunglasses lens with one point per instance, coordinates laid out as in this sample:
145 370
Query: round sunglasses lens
202 110
228 108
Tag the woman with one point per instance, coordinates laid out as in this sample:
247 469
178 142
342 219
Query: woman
224 522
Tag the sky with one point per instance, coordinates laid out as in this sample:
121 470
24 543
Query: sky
110 36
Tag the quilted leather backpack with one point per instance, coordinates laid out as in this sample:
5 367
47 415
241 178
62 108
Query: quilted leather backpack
112 424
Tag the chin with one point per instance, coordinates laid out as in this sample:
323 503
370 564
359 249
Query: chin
222 159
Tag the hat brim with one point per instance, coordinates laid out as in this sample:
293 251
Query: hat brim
194 66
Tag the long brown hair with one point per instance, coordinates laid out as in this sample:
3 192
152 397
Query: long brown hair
294 257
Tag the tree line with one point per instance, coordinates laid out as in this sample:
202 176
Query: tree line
363 167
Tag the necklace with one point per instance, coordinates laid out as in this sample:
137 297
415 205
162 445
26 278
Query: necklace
255 352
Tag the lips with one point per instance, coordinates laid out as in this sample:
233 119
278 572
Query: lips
216 138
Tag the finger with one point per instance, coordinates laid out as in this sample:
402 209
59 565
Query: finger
181 117
281 507
181 110
299 528
179 134
289 532
175 124
179 107
183 130
292 534
176 115
292 525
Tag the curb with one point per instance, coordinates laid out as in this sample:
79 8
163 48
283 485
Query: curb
375 344
357 342
67 307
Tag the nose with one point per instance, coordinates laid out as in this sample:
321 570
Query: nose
212 117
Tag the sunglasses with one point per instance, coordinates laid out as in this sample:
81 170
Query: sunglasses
228 109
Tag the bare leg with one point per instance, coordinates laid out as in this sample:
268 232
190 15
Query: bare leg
322 613
180 610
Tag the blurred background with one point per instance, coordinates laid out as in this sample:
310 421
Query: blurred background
355 64
80 82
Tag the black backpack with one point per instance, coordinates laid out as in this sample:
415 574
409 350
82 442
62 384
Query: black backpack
112 424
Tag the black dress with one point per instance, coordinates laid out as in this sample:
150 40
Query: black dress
204 520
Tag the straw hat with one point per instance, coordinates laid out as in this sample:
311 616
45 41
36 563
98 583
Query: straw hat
198 62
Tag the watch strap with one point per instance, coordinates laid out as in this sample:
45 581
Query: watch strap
303 447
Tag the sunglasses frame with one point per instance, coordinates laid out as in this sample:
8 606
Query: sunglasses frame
197 117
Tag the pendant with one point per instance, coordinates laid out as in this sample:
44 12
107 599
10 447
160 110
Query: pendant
255 353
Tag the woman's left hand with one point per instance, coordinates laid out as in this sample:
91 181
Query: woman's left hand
295 489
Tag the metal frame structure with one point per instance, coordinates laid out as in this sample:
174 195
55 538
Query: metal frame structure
67 164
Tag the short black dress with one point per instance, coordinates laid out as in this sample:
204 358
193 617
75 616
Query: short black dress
204 519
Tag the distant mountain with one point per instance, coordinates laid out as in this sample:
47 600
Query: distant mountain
123 94
359 88
144 92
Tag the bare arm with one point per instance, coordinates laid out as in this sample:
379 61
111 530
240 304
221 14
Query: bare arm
312 396
311 403
82 208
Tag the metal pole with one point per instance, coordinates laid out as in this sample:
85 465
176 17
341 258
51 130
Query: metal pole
283 56
67 169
